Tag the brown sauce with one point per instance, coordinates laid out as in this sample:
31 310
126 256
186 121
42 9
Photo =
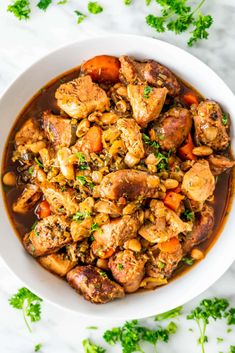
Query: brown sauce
43 100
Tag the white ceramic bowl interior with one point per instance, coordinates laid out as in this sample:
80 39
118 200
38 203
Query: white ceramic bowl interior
51 288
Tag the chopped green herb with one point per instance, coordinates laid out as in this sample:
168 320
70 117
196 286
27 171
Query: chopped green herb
31 170
83 165
103 274
169 314
160 265
20 9
178 17
128 2
162 162
92 327
219 339
230 315
38 162
147 141
147 91
148 2
83 181
81 16
80 216
62 2
94 7
208 309
177 169
120 266
188 215
171 327
94 227
225 119
231 349
229 330
63 188
29 303
37 347
188 261
90 347
43 4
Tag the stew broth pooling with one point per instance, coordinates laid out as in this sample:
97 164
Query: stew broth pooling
113 176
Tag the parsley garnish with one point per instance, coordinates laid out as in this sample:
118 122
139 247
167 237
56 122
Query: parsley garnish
20 9
81 16
34 228
177 16
232 349
147 141
43 4
169 314
188 215
90 347
132 334
29 303
38 162
31 170
225 119
230 315
83 181
147 91
162 162
219 339
208 309
120 266
37 347
94 227
128 2
94 7
62 2
82 161
188 261
160 265
80 216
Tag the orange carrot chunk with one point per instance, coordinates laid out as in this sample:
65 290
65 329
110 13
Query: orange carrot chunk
190 98
170 245
102 68
93 139
173 200
43 210
186 151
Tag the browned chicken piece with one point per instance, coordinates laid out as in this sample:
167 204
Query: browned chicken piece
27 199
202 229
28 133
58 263
59 130
199 183
132 137
118 231
151 72
146 107
172 128
61 202
164 263
127 269
81 230
49 235
94 284
209 129
219 164
131 184
166 224
80 97
108 207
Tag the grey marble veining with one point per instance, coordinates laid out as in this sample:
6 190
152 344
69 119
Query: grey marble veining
22 43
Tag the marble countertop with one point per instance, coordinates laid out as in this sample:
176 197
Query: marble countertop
22 43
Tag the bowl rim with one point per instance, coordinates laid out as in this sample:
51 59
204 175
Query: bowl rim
229 259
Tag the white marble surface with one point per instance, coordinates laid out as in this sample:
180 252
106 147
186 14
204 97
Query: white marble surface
22 43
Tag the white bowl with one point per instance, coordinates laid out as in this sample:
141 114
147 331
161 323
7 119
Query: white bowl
51 288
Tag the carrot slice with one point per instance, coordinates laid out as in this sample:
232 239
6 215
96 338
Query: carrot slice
186 151
43 209
170 245
173 200
93 139
102 68
190 98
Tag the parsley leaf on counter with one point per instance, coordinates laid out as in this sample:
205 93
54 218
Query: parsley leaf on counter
128 2
20 9
178 17
43 4
94 7
81 16
37 347
230 315
29 303
91 347
207 309
232 349
169 314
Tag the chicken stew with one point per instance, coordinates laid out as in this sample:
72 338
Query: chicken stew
117 174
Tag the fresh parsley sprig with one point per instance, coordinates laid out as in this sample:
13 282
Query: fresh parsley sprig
20 9
169 314
29 303
90 347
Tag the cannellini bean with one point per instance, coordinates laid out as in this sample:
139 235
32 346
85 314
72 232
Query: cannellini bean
153 181
121 106
171 183
131 160
101 218
102 263
133 244
41 175
66 168
107 207
152 168
197 254
82 128
122 91
109 118
9 179
211 133
37 146
129 209
202 151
